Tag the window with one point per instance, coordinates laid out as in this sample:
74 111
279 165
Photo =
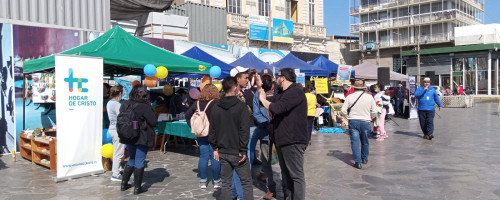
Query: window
311 12
264 7
288 8
234 6
205 2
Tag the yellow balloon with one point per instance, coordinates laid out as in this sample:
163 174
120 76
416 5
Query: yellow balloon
161 72
107 151
218 85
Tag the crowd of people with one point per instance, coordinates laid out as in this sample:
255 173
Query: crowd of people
254 108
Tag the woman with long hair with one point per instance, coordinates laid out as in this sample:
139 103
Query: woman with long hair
113 108
138 147
208 96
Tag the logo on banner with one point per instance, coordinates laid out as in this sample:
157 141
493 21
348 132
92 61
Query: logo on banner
78 100
70 79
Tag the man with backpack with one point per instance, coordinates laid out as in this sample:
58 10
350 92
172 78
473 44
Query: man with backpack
360 109
228 136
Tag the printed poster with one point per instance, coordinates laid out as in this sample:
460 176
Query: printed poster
344 73
321 85
43 87
79 116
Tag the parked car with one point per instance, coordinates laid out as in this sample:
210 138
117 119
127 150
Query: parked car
391 90
439 89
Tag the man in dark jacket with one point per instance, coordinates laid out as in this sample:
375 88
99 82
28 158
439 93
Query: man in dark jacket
229 135
399 96
289 111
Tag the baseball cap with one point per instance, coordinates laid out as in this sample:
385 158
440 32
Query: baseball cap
266 71
427 80
237 70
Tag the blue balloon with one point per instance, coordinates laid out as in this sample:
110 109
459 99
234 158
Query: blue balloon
149 70
215 71
106 138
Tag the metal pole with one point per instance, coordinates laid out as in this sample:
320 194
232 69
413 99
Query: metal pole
377 41
270 29
418 58
24 100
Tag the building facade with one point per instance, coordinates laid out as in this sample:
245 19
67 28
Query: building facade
309 33
388 27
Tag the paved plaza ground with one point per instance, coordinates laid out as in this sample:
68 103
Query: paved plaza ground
461 162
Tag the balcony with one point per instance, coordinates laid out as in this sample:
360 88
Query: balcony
409 41
390 4
317 31
237 21
299 29
420 19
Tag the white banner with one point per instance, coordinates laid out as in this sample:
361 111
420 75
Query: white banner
79 116
413 100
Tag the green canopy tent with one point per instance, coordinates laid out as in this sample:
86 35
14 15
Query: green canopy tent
124 54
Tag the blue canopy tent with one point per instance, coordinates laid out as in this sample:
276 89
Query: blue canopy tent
293 62
249 60
326 64
198 54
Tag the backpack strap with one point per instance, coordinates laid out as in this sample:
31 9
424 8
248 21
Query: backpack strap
206 105
198 105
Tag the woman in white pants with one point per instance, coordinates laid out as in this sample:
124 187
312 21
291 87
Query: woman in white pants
113 108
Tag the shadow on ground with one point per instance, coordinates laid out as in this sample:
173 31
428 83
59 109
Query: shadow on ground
344 157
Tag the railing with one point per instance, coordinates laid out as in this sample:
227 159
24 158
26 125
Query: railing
395 3
299 29
317 31
237 20
415 20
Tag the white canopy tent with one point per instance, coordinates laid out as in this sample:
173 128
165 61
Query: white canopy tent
368 71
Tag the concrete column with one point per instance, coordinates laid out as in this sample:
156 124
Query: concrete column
463 73
440 85
477 81
489 73
451 73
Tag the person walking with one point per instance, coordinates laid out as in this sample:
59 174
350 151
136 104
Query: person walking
427 98
113 108
138 147
289 111
228 136
311 109
399 96
382 102
208 97
262 121
359 108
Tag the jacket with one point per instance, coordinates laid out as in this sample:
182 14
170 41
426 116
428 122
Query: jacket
289 110
190 112
399 93
365 109
229 129
427 98
147 123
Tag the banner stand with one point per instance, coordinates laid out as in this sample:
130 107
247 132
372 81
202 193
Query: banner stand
66 178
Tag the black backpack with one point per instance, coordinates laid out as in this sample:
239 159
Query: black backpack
125 124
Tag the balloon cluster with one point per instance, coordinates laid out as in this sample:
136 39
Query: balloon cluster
153 74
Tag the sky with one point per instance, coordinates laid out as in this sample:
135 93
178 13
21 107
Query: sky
337 17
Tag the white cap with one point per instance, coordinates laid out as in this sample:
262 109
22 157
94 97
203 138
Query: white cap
236 70
427 80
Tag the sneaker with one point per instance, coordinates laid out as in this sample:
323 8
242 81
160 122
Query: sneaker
116 178
380 138
203 185
217 185
385 136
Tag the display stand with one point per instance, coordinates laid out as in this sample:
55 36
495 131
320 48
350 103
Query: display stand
39 149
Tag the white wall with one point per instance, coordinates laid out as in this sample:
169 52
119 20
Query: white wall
477 34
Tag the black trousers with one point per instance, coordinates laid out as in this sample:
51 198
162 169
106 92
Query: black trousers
426 118
228 163
291 159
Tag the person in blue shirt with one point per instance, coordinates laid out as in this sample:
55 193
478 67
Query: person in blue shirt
427 98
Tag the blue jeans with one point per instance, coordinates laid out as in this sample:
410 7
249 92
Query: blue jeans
206 154
137 155
399 107
359 131
426 118
237 189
